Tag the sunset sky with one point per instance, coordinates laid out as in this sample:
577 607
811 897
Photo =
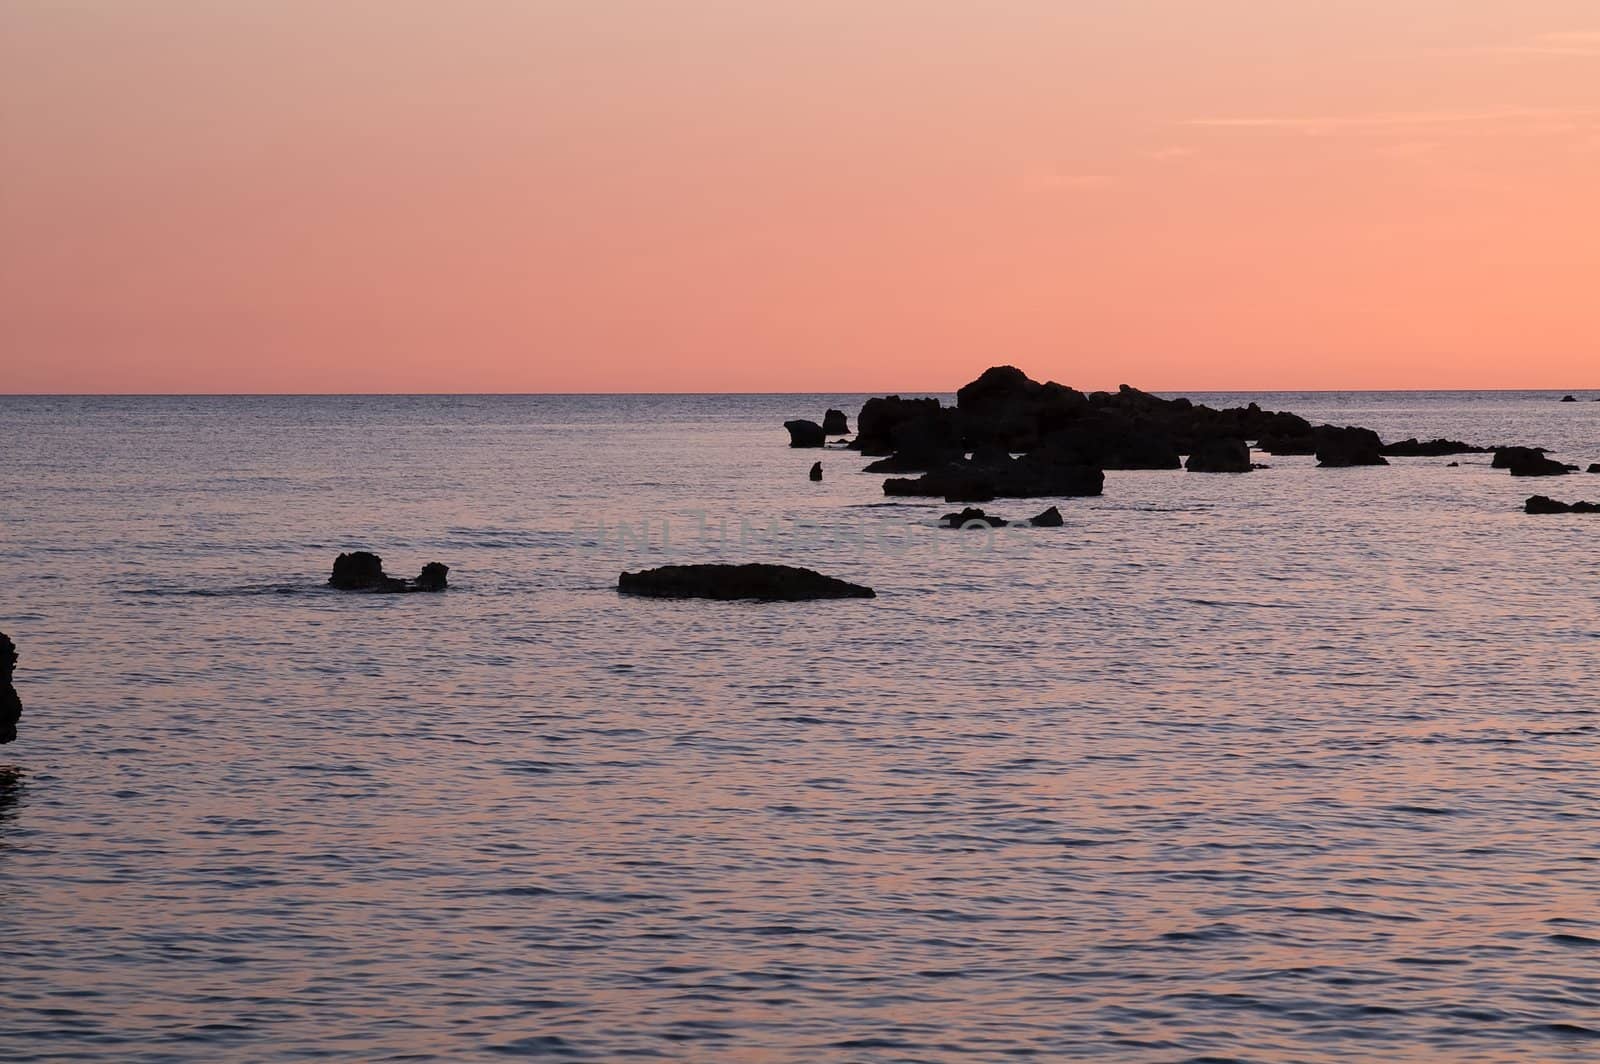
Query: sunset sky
797 195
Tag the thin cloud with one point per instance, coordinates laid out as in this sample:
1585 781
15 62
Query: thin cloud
1399 121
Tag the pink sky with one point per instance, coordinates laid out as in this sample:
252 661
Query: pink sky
853 195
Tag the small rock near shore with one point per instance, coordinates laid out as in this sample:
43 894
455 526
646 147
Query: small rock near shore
767 583
834 423
1051 518
804 433
10 704
362 570
971 518
816 470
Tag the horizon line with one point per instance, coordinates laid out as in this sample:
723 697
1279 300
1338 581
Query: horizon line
870 392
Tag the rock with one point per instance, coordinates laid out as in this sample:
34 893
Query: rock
889 423
1437 448
363 571
1569 398
1452 465
1051 518
805 433
1341 448
970 518
816 470
772 583
834 423
1220 456
1038 474
1543 504
1594 467
915 460
10 704
1529 462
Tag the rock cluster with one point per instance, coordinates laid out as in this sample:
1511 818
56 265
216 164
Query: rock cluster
363 571
771 583
1529 462
1543 504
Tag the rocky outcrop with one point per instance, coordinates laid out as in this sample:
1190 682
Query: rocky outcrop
1342 448
770 583
889 423
1220 456
10 704
1569 398
970 518
1051 518
805 433
1530 462
363 571
1436 448
816 471
1038 474
1543 504
834 423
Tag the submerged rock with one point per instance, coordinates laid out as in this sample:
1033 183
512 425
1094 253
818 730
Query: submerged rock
1051 518
970 518
804 433
10 704
771 583
1436 448
816 470
1220 456
1038 474
363 571
834 423
1543 504
1530 462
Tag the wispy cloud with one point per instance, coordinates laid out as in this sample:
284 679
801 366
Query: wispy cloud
1169 154
1578 43
1406 122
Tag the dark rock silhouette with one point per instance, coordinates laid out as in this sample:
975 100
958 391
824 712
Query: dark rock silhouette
1341 448
1569 398
890 422
1051 518
1452 465
816 470
1594 467
1543 504
805 433
834 423
970 518
1038 474
363 571
1530 462
1438 448
10 704
915 460
772 583
1220 456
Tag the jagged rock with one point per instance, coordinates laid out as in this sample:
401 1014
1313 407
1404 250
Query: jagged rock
772 583
1341 448
1530 462
970 518
1543 504
1220 456
363 571
1437 448
10 704
816 470
834 423
1051 518
804 433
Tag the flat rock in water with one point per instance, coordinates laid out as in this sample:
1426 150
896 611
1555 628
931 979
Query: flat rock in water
769 583
973 518
361 570
1530 462
1543 504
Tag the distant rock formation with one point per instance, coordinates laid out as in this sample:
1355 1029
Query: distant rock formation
816 470
970 518
10 704
771 583
1220 456
834 423
1530 462
1051 518
805 433
363 571
1569 398
1543 504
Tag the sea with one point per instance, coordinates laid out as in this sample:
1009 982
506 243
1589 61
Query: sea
1295 765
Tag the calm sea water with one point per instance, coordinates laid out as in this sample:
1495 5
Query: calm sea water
1294 766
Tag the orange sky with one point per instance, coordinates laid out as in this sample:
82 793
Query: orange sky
786 195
